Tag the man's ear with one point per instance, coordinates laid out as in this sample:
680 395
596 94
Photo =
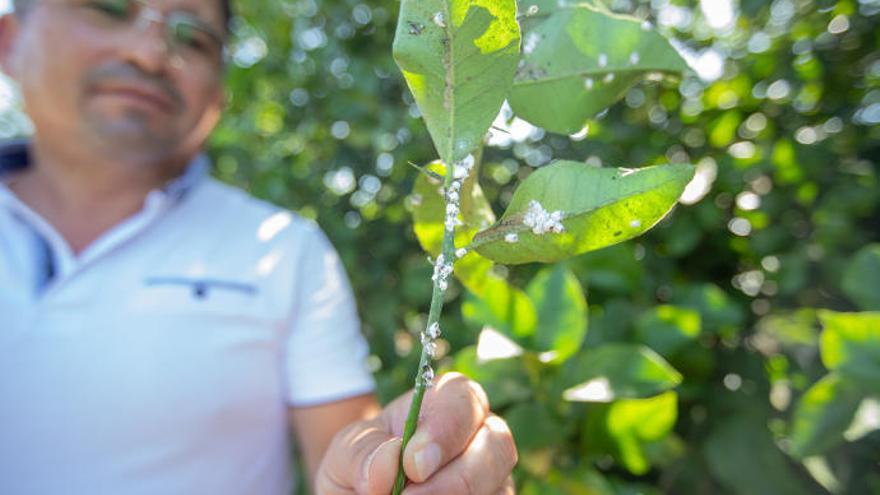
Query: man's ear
9 25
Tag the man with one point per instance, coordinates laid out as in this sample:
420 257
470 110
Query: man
161 332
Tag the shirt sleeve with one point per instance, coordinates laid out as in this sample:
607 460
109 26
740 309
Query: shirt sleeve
325 353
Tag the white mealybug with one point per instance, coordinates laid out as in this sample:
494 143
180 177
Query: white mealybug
442 271
531 42
646 26
439 20
461 253
588 83
467 162
603 60
431 349
451 209
434 330
511 237
463 167
438 263
635 224
608 78
452 197
634 58
428 376
541 221
556 222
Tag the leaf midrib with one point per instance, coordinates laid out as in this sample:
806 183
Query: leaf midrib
588 73
449 78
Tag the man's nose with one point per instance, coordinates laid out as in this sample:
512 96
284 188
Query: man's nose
148 46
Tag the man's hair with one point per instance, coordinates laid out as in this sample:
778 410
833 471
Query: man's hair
22 6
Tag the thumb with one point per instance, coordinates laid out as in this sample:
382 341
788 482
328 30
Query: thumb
362 459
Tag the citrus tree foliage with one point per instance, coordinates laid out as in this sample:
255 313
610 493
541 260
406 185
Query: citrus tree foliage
722 351
458 58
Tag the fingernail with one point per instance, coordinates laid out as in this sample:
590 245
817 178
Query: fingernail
427 460
368 463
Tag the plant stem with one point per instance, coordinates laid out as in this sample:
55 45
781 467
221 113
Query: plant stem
412 418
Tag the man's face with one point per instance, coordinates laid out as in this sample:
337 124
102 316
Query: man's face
110 73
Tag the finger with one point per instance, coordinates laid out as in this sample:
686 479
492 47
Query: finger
508 488
453 411
483 469
361 460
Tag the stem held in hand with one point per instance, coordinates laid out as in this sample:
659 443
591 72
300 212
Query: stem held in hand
443 265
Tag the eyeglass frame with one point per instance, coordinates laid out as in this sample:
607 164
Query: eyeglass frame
147 14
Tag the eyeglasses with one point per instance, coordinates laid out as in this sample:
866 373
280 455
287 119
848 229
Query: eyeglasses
188 37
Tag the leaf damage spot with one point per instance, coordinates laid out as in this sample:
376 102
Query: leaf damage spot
415 28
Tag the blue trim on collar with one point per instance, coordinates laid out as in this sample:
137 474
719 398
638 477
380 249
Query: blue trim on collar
14 156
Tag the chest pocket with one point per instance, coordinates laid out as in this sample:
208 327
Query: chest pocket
203 297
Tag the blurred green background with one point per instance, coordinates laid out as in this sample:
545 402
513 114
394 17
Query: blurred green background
781 116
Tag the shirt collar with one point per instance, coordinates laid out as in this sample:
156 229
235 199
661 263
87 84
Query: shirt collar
15 156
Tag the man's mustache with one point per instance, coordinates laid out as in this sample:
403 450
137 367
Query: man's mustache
127 72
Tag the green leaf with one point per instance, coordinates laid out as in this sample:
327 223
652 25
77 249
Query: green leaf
634 422
850 343
562 311
823 415
458 58
579 60
504 380
742 455
534 426
618 371
792 327
861 281
718 312
667 328
503 307
600 207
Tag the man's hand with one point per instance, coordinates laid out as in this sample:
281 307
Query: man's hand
459 448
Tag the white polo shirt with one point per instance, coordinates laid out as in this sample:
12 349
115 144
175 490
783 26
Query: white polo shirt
162 359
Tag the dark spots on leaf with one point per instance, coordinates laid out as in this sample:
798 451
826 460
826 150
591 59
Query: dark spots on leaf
527 71
415 28
618 233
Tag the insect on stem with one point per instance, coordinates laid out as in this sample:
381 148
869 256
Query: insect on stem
443 268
